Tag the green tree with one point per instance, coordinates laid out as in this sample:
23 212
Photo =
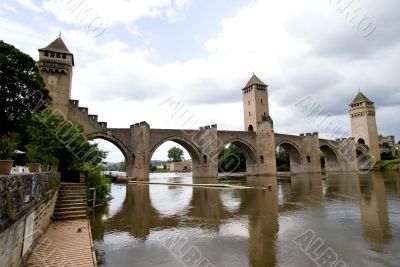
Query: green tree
282 160
175 154
22 89
231 159
52 138
153 168
94 179
122 166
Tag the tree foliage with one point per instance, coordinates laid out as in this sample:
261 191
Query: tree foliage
94 179
8 145
175 154
22 89
282 160
53 140
231 159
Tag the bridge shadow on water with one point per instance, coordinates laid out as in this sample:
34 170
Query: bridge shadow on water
253 226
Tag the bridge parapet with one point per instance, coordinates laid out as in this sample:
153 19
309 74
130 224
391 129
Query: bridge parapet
81 116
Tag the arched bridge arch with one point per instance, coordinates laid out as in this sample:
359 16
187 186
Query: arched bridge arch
332 162
246 148
303 151
294 152
112 139
191 147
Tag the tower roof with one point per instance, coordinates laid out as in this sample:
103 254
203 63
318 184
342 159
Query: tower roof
360 97
255 80
58 46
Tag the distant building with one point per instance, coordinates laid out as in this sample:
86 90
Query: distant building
387 144
397 149
185 165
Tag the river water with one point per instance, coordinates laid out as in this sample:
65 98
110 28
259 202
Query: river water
344 219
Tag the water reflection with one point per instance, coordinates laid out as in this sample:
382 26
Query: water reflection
373 206
262 209
137 216
249 227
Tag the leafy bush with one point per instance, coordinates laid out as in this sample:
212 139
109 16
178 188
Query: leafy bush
7 147
95 179
387 156
54 140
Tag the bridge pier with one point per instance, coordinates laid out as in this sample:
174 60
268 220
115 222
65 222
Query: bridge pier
139 163
207 164
265 149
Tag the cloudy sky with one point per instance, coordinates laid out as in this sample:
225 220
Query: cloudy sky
132 55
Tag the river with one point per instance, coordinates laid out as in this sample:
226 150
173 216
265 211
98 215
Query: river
344 219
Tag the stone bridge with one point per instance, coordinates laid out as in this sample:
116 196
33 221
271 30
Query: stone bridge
140 141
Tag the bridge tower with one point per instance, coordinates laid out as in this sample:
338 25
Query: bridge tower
257 119
363 124
255 104
55 65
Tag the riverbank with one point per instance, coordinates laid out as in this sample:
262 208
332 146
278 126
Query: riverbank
388 165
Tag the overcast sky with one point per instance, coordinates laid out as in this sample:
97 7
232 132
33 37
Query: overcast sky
132 55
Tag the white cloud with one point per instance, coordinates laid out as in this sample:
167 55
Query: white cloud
28 4
6 7
258 38
298 48
124 12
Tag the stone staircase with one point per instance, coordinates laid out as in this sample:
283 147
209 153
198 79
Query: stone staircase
71 202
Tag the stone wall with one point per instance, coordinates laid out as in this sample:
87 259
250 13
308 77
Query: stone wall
26 205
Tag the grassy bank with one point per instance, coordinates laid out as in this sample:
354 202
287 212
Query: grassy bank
388 165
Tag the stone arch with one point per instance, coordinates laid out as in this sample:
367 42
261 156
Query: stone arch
247 149
361 141
295 155
191 148
365 161
112 139
331 157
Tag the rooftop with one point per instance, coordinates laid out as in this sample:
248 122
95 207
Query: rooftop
58 46
254 80
360 97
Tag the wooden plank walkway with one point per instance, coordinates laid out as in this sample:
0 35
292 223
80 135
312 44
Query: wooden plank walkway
64 244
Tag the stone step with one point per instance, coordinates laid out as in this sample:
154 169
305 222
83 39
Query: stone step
71 197
67 183
69 214
83 188
69 201
70 217
71 193
72 208
72 185
71 205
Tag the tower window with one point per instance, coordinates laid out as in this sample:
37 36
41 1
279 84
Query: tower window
64 56
249 114
58 55
51 54
249 103
261 100
46 54
308 159
262 159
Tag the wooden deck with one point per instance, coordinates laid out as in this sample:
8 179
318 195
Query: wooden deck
64 244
